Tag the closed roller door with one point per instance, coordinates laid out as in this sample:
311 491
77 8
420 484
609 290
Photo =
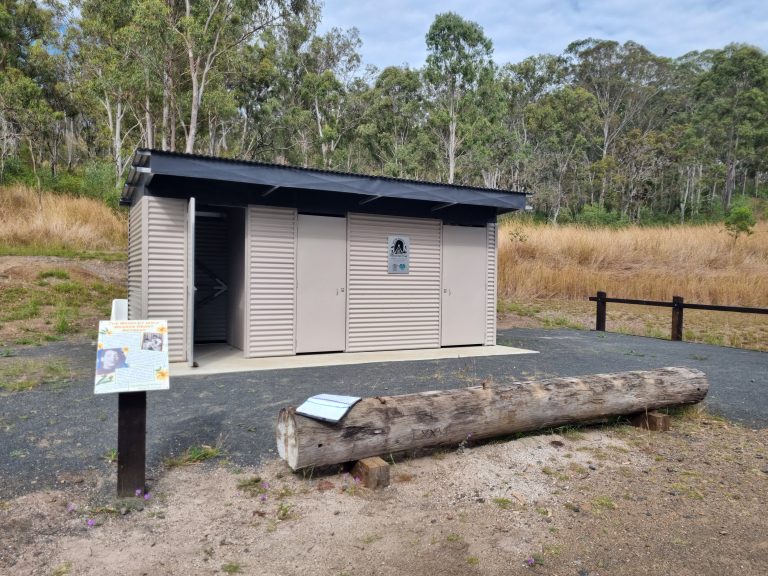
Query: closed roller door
166 295
135 262
392 311
271 281
490 286
211 278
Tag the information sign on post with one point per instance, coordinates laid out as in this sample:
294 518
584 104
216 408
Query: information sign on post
132 356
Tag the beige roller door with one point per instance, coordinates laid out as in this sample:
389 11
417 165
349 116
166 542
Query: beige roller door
322 281
392 311
463 319
270 281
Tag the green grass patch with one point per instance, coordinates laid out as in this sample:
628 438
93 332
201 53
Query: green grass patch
603 503
193 455
503 503
57 273
23 310
19 374
47 250
505 306
562 322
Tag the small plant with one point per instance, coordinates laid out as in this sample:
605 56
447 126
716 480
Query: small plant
453 537
371 538
503 503
284 511
62 569
603 503
231 568
62 323
254 486
740 221
193 455
473 560
110 456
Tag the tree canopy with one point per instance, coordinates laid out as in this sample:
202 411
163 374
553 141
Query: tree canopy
604 127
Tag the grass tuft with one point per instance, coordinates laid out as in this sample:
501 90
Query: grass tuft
193 455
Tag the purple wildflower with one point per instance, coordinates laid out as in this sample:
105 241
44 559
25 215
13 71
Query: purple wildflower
91 522
357 480
265 485
71 507
147 496
139 492
263 497
530 561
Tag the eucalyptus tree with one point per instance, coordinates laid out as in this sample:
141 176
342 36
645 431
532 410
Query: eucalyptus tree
208 30
108 72
31 100
733 98
623 79
393 117
458 61
559 122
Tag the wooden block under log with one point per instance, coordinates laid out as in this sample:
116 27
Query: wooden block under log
655 421
373 472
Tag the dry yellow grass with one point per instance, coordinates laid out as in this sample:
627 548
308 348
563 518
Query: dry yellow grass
63 222
701 263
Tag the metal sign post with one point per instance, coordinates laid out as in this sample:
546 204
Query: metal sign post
131 442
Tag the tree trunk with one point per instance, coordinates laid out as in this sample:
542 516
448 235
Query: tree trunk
387 424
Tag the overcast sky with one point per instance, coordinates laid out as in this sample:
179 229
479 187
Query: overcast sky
393 30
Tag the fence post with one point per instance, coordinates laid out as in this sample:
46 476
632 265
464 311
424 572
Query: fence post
600 319
677 318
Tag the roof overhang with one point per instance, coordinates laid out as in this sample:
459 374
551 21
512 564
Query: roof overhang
270 178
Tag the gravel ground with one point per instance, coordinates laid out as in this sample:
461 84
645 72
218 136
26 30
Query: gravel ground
58 436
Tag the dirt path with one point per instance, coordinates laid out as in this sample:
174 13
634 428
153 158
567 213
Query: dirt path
602 501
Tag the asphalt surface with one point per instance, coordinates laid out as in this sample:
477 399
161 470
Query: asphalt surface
58 435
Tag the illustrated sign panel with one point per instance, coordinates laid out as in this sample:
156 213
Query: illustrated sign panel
399 255
132 356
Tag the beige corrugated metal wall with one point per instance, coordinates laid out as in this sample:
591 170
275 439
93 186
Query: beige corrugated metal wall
270 281
392 311
136 262
166 272
490 286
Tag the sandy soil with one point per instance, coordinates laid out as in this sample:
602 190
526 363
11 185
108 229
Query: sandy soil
598 501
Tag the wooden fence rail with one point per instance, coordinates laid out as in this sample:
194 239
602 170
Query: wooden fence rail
677 305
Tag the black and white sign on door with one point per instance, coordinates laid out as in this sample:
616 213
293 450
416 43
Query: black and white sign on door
399 255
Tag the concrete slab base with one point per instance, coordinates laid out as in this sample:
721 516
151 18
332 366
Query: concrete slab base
224 359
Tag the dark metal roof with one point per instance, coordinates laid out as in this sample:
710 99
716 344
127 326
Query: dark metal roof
150 163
